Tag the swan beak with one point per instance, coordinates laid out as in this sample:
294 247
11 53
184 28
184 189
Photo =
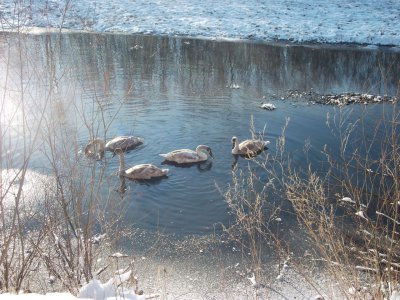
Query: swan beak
211 154
233 144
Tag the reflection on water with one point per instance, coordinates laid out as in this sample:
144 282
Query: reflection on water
177 93
201 166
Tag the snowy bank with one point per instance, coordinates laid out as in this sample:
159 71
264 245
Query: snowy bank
110 290
336 21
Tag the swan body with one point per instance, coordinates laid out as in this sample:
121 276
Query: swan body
248 147
268 106
139 172
145 171
97 147
184 156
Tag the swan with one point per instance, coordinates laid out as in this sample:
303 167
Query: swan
248 147
184 156
139 172
97 147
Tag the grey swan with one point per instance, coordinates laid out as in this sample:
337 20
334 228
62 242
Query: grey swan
97 147
248 147
187 156
139 172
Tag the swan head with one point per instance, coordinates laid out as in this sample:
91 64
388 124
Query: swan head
205 149
234 141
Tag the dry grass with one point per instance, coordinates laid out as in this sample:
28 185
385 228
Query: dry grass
352 212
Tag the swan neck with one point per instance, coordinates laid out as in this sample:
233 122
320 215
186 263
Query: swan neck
202 155
235 149
121 163
201 152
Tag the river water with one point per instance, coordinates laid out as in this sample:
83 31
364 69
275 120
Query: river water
179 93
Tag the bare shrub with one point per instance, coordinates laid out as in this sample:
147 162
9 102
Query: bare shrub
61 226
352 211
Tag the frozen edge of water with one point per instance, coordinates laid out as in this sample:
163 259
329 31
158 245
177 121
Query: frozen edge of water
282 43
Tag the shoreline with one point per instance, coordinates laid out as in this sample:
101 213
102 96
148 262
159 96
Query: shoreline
392 48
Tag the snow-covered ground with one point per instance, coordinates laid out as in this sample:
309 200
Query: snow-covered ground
111 290
325 21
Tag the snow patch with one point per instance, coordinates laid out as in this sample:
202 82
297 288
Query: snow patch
268 106
364 22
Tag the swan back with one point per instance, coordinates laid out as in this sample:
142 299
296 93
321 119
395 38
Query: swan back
145 172
124 142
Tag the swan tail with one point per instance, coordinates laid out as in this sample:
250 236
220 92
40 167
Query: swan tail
163 155
165 171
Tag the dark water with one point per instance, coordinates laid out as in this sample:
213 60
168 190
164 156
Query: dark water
178 93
